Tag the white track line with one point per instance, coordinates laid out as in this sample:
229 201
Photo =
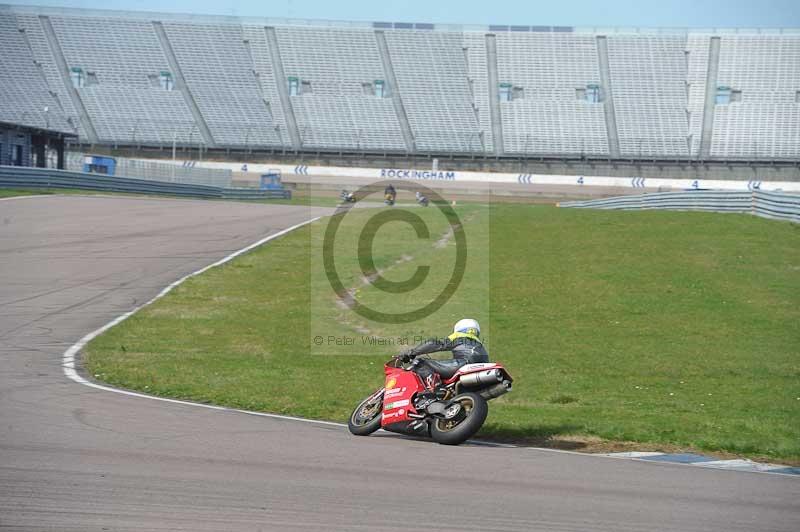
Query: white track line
68 362
26 197
68 359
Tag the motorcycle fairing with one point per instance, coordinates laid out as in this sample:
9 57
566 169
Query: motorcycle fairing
399 388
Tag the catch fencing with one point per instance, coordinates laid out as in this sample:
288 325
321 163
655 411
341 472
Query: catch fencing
773 205
46 178
187 173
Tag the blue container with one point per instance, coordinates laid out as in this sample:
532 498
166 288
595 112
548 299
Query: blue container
98 164
271 180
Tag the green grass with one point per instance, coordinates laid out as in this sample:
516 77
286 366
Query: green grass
397 240
679 330
5 192
10 192
302 198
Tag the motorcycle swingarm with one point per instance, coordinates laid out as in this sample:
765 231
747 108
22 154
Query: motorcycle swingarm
437 409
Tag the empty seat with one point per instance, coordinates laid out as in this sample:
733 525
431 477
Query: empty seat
549 118
765 122
24 92
648 76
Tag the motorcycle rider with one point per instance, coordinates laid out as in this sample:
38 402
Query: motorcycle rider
390 193
465 345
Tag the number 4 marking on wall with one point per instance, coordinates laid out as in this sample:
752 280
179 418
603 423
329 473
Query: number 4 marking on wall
695 184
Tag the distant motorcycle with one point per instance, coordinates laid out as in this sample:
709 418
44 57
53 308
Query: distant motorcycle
389 199
451 418
422 200
347 197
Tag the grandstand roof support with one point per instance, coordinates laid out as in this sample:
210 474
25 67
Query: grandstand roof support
180 83
711 92
394 91
494 96
283 90
608 97
63 69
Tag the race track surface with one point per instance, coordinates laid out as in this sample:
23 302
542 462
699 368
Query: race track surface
77 458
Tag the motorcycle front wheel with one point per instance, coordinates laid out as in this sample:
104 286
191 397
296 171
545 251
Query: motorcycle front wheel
464 424
366 418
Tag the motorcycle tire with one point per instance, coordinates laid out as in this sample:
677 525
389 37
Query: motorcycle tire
463 427
360 427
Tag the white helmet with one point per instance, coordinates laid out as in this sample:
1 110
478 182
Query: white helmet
468 326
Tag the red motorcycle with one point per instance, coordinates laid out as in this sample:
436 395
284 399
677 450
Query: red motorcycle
453 416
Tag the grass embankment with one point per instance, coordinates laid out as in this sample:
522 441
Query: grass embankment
10 192
673 330
7 192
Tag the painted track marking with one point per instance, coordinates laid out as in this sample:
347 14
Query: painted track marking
68 364
68 358
26 197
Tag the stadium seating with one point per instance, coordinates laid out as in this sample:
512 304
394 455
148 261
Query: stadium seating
220 74
478 79
766 121
432 77
232 83
24 92
124 57
128 115
550 68
121 52
337 107
648 74
697 48
267 83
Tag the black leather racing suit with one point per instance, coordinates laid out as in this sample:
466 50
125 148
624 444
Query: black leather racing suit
466 349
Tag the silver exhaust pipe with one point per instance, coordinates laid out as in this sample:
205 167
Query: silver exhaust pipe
496 391
482 378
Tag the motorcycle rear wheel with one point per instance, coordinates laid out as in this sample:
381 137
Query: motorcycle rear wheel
366 418
463 426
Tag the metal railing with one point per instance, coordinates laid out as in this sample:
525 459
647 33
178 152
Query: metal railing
187 173
773 205
46 178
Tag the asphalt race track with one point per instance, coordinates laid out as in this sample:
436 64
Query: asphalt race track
77 458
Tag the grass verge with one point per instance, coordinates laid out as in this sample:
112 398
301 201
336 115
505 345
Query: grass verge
671 330
11 193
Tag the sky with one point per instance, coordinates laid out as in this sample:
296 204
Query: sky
628 13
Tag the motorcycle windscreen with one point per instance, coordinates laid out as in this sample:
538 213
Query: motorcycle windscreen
400 386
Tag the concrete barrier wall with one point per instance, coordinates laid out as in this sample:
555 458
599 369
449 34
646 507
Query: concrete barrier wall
334 175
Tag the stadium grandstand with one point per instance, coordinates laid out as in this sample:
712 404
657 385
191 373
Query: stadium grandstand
230 84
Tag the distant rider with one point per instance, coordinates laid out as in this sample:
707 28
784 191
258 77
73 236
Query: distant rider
464 343
390 193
